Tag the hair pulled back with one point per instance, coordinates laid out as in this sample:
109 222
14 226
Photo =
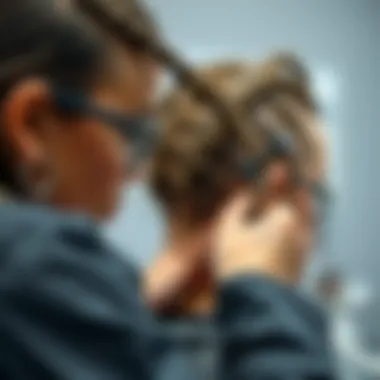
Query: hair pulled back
197 162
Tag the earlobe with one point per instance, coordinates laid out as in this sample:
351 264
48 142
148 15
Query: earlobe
21 110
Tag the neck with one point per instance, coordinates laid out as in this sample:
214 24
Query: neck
196 297
201 304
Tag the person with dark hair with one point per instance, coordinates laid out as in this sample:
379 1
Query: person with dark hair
74 124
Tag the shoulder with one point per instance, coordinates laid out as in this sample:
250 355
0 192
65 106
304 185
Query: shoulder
38 243
22 222
68 298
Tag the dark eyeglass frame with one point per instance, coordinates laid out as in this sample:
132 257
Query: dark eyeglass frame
138 129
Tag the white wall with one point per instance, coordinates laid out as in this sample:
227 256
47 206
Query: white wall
340 40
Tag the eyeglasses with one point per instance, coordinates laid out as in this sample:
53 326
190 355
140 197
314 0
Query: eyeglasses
139 130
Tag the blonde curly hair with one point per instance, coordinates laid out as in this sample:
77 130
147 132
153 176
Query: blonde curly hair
198 162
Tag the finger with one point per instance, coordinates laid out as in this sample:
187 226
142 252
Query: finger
235 211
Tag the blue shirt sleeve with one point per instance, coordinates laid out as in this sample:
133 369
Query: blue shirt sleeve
73 312
269 331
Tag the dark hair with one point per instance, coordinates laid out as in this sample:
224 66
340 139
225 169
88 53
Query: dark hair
37 38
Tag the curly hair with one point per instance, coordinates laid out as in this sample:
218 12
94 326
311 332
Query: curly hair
198 161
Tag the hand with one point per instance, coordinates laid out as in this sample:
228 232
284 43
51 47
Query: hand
167 279
269 245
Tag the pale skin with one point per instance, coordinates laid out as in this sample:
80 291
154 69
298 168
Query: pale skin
169 276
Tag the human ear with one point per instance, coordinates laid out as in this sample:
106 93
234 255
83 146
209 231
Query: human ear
24 112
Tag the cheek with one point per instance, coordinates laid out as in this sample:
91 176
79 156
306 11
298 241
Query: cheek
105 157
97 158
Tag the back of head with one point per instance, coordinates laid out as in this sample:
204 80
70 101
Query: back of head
197 163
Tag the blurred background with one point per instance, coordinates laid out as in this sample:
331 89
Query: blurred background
339 40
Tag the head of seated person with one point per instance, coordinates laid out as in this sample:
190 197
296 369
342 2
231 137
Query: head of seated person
201 160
